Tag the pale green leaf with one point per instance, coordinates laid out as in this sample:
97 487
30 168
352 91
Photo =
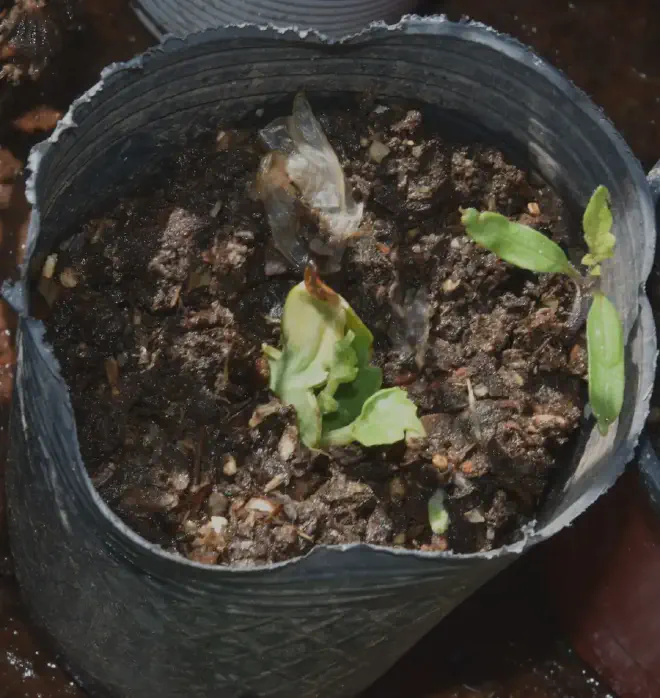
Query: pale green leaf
592 262
350 397
342 369
323 371
271 352
364 340
386 417
308 415
311 330
438 514
327 404
515 243
597 225
605 349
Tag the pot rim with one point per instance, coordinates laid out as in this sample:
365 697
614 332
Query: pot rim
412 25
319 9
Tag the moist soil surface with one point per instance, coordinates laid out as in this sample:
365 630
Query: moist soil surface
162 300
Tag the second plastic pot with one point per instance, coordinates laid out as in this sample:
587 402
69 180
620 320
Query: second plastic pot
134 621
331 17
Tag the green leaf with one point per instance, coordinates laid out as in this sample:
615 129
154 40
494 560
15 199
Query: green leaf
597 225
364 340
327 404
438 514
343 369
350 398
311 330
271 352
605 350
515 243
386 417
323 371
308 414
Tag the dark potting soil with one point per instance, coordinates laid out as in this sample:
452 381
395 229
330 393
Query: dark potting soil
162 301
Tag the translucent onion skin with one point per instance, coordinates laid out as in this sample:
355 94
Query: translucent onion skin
312 166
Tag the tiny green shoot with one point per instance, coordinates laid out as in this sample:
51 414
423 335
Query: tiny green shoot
528 248
597 226
323 369
438 514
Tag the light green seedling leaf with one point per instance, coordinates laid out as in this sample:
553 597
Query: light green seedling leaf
311 329
308 414
515 243
350 398
438 514
343 369
597 225
605 350
364 340
323 370
386 417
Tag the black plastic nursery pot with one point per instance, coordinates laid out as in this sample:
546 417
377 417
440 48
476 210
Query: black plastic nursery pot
649 468
332 17
132 620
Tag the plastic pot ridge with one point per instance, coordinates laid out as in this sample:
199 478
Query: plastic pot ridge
132 620
331 17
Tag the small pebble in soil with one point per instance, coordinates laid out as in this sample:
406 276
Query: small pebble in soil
229 467
69 278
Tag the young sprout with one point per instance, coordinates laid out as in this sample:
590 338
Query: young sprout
438 514
515 243
313 167
527 248
597 226
323 370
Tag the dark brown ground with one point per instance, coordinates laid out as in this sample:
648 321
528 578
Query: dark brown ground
166 371
610 49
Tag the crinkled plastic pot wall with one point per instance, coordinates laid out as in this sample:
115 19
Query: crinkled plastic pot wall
332 17
134 621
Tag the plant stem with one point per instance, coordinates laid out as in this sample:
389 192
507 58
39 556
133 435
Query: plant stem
580 308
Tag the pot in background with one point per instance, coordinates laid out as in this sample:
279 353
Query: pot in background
330 17
132 620
610 603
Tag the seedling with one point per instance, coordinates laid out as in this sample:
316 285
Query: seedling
438 514
323 370
529 249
